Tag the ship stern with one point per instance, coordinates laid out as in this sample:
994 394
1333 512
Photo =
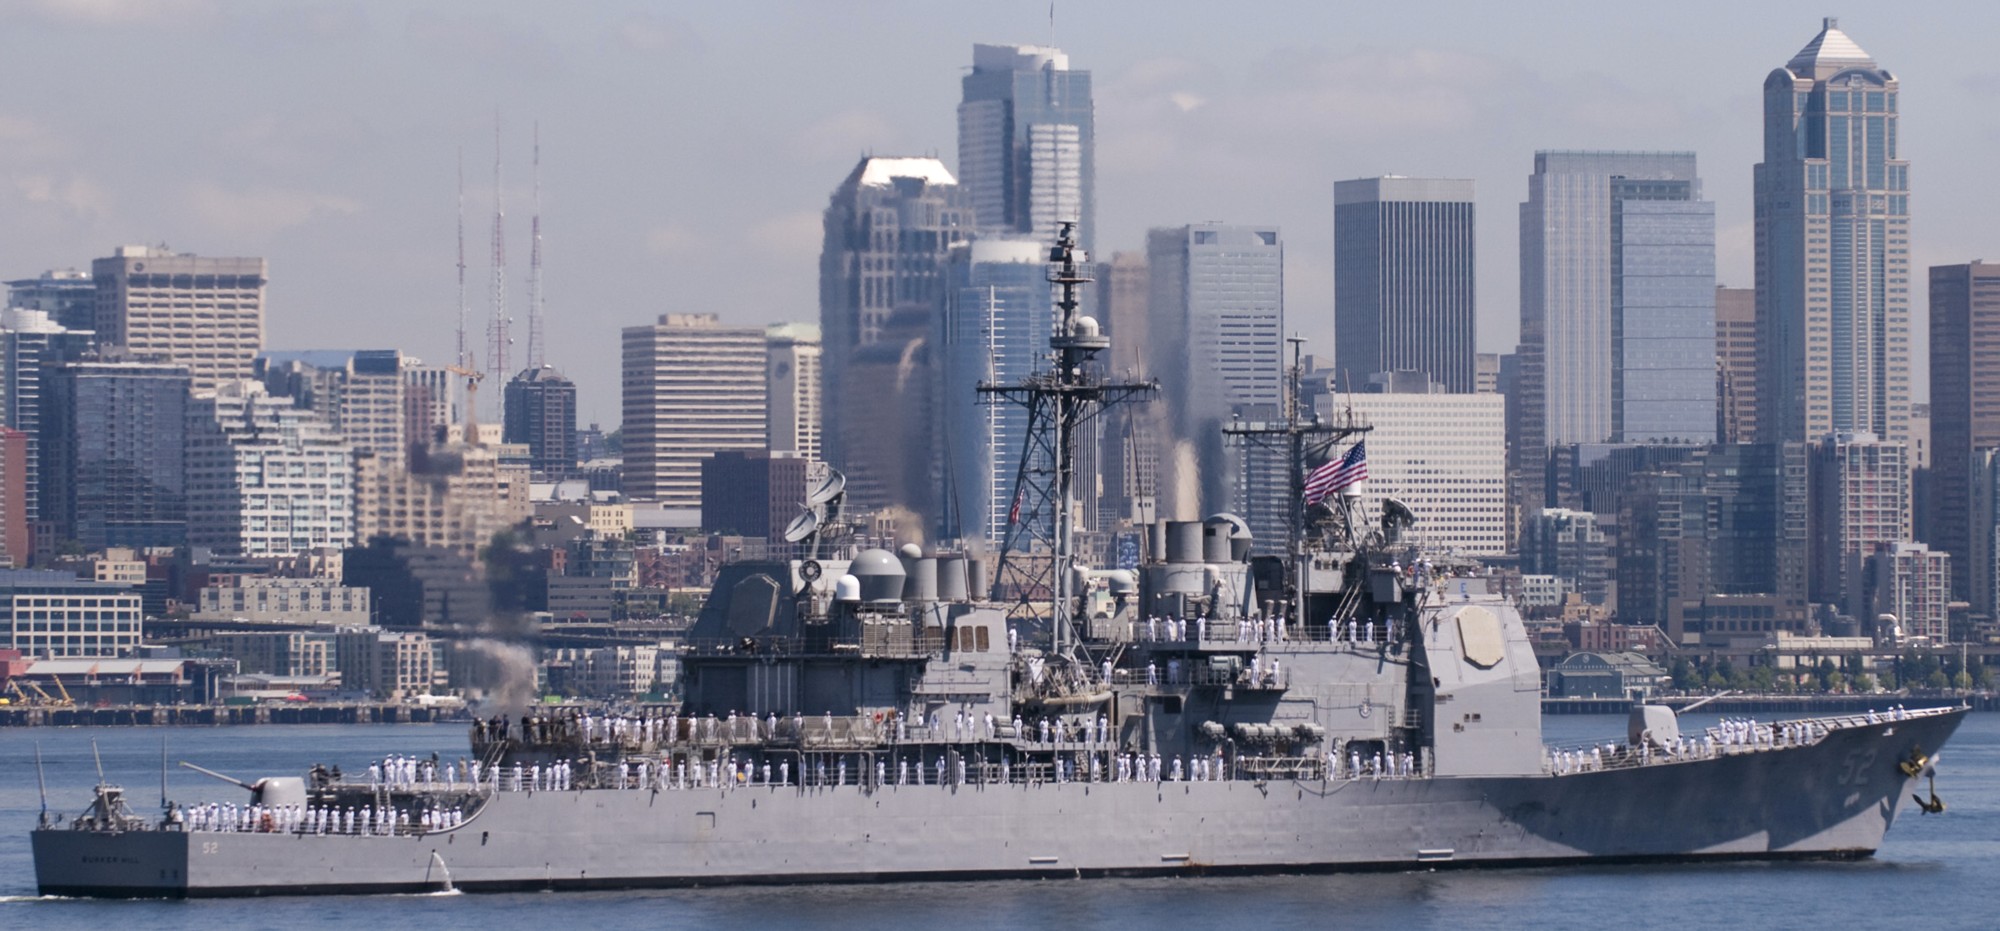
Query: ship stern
111 864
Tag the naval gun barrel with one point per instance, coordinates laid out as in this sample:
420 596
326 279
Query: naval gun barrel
232 780
1723 694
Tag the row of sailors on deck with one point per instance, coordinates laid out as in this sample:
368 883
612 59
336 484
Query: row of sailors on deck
398 771
230 817
1130 766
1177 629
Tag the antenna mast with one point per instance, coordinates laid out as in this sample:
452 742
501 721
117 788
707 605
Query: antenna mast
497 336
464 358
1059 402
536 337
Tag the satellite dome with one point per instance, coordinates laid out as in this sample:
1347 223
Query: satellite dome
881 575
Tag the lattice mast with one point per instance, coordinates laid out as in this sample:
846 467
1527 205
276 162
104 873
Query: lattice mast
537 338
1059 401
498 338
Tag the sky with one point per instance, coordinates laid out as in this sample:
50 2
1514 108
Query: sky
688 149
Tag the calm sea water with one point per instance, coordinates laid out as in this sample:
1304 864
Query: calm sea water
1933 872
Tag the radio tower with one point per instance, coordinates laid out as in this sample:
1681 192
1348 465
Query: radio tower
464 358
536 344
497 337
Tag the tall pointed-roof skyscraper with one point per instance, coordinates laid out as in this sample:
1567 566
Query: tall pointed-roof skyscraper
1027 147
1833 248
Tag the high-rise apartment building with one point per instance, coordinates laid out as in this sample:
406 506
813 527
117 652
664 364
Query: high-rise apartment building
265 477
1833 247
888 229
1027 142
1217 300
32 342
1403 294
113 454
206 314
1570 546
1860 502
1442 454
541 414
1965 404
1717 544
692 387
16 546
66 295
1736 365
1617 300
447 496
428 400
360 394
994 329
792 373
1911 583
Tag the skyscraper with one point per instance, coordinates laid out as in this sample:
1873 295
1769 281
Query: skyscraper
1833 247
264 477
31 343
113 454
1617 300
888 228
203 313
67 295
360 394
1217 300
994 329
1717 544
541 412
1027 149
1130 434
1403 296
1736 365
1860 502
691 387
793 377
1965 404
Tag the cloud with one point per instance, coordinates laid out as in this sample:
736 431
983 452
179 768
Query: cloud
656 33
486 39
75 194
117 13
261 211
26 140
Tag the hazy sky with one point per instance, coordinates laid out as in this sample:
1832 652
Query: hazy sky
689 148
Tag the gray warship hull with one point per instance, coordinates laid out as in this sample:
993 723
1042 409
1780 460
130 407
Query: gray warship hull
1832 798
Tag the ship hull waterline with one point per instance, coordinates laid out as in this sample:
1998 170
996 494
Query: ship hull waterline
1833 799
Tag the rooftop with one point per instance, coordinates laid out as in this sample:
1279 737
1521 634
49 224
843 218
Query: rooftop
882 171
1828 52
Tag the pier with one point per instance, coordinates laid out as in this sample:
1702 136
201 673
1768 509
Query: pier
220 715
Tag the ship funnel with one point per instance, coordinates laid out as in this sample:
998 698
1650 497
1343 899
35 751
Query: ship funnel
1183 541
952 583
922 584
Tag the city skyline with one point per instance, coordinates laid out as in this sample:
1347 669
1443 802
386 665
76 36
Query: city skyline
1219 120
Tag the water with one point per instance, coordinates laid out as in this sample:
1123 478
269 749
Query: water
1933 871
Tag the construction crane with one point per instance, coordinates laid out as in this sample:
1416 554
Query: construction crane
472 379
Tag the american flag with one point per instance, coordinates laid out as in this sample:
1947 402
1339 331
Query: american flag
1338 474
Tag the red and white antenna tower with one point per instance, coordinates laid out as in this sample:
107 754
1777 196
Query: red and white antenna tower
499 341
537 340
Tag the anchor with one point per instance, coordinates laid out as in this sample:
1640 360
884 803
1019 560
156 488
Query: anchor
1934 806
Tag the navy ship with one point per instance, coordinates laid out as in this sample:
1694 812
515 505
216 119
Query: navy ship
880 714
